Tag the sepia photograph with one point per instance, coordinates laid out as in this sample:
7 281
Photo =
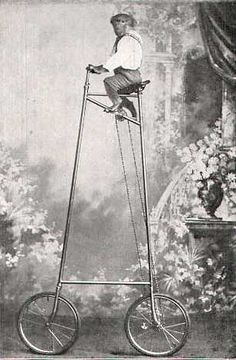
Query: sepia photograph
117 179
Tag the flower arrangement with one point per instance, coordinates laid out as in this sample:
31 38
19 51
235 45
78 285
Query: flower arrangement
209 166
30 248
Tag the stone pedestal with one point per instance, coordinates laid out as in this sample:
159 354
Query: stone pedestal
220 237
215 228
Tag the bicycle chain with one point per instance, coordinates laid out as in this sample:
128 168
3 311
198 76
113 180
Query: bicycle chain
129 199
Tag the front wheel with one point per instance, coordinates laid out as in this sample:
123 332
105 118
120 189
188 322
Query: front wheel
163 337
45 336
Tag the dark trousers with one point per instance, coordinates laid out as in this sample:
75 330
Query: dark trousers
121 79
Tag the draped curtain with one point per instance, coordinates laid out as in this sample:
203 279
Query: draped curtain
218 27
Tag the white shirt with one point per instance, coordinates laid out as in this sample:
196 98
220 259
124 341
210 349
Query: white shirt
128 54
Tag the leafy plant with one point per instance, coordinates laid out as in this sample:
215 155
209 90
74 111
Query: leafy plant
28 245
209 164
194 272
165 20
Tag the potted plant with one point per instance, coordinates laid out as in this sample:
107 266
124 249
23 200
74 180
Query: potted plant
212 169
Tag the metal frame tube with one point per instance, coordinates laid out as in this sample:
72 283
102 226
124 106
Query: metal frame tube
74 176
72 193
105 95
98 103
95 282
146 203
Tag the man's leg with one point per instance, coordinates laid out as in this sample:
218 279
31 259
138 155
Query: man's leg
112 85
135 77
126 103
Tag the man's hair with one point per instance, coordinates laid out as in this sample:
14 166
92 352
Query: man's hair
129 19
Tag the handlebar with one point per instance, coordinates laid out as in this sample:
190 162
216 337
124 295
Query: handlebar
90 69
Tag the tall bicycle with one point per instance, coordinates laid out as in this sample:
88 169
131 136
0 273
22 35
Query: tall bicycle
155 324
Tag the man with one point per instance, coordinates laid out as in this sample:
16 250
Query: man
125 61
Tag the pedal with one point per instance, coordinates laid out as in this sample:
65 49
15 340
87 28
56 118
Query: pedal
107 110
119 114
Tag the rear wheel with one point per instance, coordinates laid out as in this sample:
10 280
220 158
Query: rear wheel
163 337
40 334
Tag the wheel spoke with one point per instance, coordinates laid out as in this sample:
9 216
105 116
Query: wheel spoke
53 344
136 317
63 334
171 335
36 313
54 338
34 322
176 331
174 325
154 338
144 332
169 309
41 311
144 317
168 341
63 326
170 328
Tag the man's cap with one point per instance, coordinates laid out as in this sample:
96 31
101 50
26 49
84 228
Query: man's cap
127 17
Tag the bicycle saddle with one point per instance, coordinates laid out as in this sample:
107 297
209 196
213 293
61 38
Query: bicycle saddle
134 88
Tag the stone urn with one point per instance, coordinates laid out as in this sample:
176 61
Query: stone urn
211 195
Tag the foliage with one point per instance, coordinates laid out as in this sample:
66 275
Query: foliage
209 164
194 275
28 244
30 249
195 272
102 300
167 20
207 161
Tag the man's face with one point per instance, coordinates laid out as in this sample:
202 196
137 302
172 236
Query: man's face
119 26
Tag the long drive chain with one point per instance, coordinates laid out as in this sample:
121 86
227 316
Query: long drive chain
155 278
136 170
129 199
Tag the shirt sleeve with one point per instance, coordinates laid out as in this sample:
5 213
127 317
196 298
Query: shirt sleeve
128 55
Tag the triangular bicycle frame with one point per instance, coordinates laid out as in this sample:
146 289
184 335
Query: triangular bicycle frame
87 97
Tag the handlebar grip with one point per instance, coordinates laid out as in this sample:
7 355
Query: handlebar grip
90 68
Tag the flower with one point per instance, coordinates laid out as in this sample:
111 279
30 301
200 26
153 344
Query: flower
209 151
232 152
209 262
200 143
193 147
207 161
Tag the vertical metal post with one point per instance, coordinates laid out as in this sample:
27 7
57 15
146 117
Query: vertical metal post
146 202
72 191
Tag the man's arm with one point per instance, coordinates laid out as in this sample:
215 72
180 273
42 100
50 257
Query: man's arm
128 55
98 69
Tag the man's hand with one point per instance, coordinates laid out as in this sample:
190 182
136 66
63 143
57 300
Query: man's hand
97 69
